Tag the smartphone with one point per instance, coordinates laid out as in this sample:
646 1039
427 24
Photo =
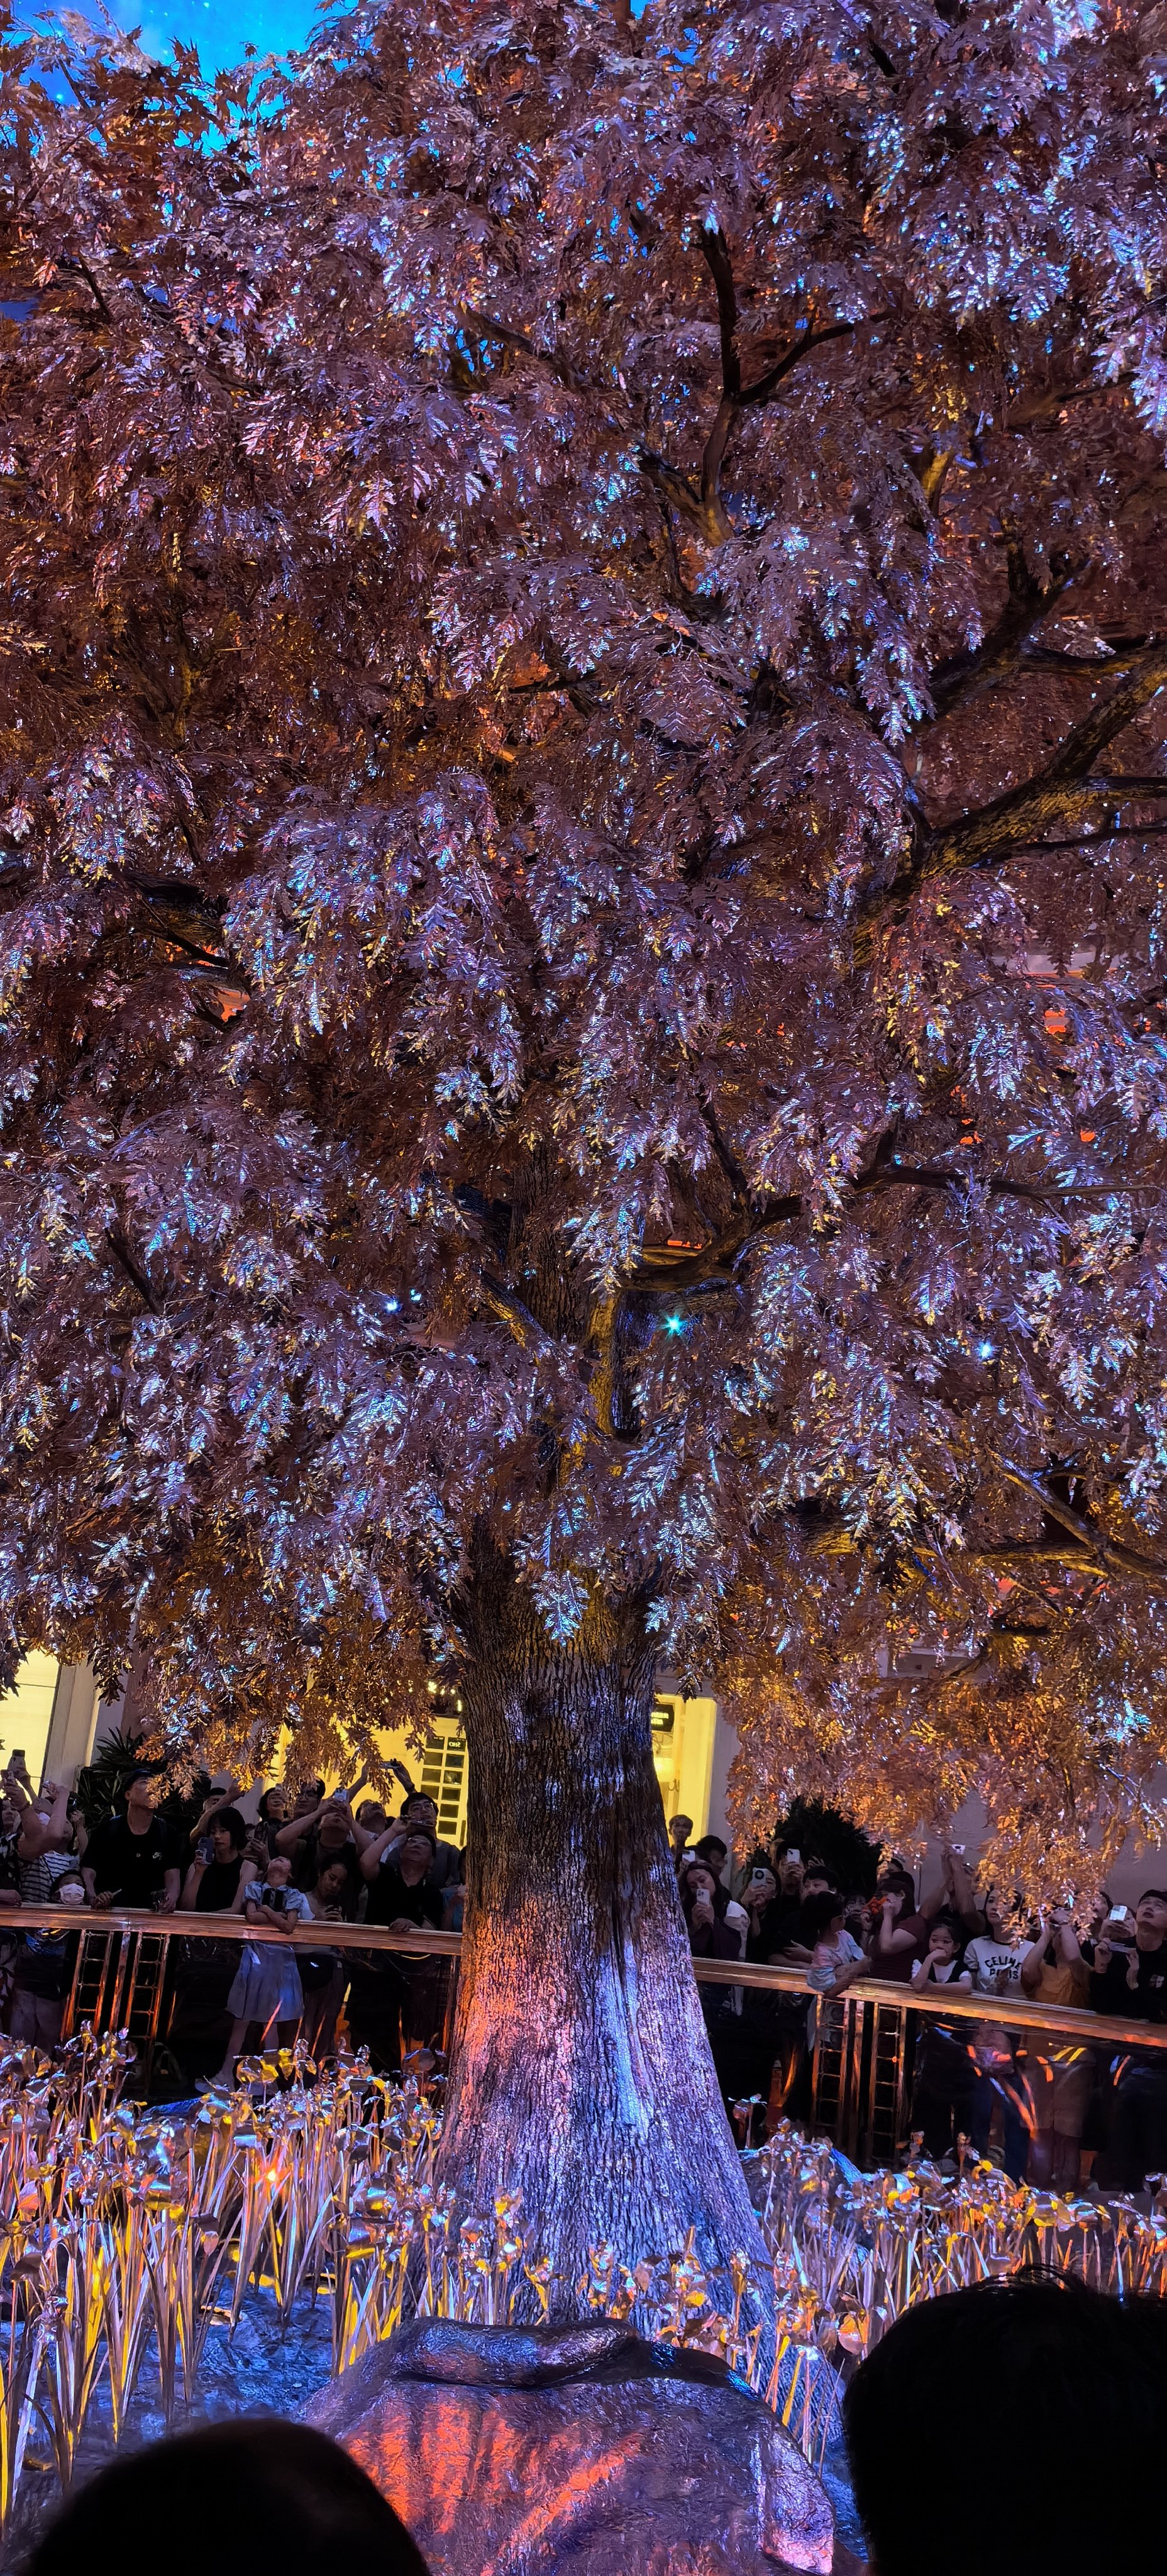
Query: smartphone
1119 1914
793 1853
757 1876
205 1848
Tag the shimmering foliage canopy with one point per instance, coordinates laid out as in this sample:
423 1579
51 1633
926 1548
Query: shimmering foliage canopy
584 619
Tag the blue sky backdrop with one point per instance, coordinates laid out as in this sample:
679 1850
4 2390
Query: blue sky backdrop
218 28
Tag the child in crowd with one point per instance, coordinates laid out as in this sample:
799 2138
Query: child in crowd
945 2085
836 1958
267 1988
43 1970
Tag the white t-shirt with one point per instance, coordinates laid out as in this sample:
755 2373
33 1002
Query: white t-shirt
988 1960
991 1959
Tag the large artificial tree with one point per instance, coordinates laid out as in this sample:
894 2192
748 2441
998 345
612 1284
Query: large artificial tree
582 1050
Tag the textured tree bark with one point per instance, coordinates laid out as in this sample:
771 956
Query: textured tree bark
581 2067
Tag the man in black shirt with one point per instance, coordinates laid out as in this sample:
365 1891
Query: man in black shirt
132 1859
1131 1984
402 1894
394 2003
1131 1981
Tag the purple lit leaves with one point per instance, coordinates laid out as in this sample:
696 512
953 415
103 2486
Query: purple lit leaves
500 1028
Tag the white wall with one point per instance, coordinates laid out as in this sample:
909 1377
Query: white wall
725 1747
1135 1868
26 1713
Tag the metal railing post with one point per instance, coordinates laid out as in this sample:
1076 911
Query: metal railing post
127 1952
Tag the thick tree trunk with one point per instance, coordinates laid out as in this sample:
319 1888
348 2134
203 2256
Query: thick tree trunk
581 2067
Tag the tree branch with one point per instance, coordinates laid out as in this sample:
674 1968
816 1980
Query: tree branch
607 1388
715 251
1024 1552
187 920
1061 792
768 384
1122 655
1042 407
965 675
934 466
123 1255
1117 1558
1125 783
676 487
705 509
728 1160
518 1318
657 1273
834 1538
1091 840
82 267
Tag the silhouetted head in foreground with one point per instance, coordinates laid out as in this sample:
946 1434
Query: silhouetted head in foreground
231 2498
1062 2394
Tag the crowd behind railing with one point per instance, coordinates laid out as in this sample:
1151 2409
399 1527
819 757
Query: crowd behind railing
306 1858
1056 2109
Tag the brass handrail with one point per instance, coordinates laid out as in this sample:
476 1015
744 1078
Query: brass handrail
317 1935
939 2002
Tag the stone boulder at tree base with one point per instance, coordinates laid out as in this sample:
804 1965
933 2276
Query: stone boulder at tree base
523 2451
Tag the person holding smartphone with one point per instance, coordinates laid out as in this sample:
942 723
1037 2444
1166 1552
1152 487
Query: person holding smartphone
1129 1980
994 1959
419 1814
322 1972
944 2086
396 2002
382 1849
1059 2069
222 1792
271 1816
680 1828
705 1904
901 1931
211 1884
207 1969
267 1988
39 1832
328 1831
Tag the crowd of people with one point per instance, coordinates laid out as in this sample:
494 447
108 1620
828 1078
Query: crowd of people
305 1858
1053 2105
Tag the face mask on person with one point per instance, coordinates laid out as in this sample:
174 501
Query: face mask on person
71 1894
